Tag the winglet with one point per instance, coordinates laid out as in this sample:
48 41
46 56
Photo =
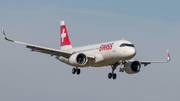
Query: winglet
3 33
168 55
5 36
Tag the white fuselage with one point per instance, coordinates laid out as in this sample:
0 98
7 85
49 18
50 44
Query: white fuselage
107 53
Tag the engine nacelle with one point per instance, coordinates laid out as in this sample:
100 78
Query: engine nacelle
132 67
78 59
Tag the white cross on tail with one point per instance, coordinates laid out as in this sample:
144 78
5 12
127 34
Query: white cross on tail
63 35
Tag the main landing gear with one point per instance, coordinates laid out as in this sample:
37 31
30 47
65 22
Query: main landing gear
76 70
113 75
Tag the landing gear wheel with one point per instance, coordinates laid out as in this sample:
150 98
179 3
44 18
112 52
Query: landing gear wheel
78 71
114 76
73 70
121 69
109 75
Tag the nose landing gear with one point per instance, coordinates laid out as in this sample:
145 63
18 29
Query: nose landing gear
121 64
121 69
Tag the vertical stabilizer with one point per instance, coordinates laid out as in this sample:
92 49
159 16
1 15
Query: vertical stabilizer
65 43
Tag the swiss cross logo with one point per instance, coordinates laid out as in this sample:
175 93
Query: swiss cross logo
63 35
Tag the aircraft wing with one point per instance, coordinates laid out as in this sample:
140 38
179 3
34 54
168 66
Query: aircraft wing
45 50
149 62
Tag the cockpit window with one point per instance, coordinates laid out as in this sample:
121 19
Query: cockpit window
125 44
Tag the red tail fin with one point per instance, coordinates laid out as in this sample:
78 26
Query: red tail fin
65 43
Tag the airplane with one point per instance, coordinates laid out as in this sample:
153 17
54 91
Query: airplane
112 54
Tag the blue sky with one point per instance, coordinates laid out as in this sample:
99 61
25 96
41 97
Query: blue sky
152 25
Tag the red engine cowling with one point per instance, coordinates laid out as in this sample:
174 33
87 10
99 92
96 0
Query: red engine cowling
132 67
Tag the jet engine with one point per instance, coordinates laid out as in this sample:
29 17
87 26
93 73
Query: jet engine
78 59
132 67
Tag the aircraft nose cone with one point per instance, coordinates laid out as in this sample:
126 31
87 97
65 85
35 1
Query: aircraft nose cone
132 52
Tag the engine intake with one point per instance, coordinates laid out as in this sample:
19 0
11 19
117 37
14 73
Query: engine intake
78 59
81 59
132 67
